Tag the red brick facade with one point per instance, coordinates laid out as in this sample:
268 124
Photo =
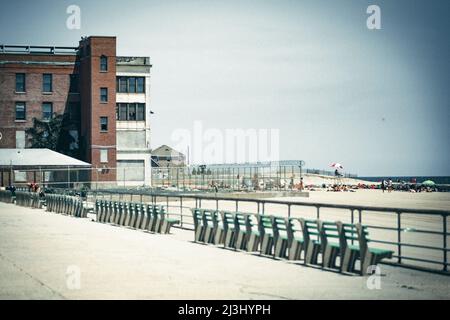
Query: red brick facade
86 64
91 80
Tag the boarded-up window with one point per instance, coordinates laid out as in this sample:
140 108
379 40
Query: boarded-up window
103 155
130 170
20 139
131 140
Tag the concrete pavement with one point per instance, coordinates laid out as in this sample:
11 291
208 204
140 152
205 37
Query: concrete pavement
49 256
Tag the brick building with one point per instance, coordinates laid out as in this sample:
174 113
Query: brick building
104 98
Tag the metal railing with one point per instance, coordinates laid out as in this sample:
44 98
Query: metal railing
392 229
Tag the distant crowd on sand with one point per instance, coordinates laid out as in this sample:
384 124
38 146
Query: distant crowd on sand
386 185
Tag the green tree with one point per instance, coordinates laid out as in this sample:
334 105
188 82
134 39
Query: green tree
52 134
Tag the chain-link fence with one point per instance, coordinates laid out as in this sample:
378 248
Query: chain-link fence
234 177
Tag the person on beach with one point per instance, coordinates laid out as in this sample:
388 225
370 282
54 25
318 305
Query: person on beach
389 185
383 185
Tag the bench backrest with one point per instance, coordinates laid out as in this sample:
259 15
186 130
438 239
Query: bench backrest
280 226
252 223
310 229
294 229
208 218
197 215
240 221
351 233
265 224
228 220
328 232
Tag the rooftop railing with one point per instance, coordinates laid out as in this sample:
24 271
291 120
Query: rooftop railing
17 49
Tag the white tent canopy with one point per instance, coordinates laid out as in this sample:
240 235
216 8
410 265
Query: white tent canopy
17 159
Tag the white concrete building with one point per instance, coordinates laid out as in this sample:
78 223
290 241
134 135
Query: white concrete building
133 121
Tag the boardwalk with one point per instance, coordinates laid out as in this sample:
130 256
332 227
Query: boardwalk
39 252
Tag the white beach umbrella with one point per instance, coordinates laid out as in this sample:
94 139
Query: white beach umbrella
337 165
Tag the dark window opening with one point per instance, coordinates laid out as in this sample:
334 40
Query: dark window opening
103 63
140 85
47 110
122 84
130 111
103 123
140 113
20 111
73 88
130 84
47 82
20 82
104 94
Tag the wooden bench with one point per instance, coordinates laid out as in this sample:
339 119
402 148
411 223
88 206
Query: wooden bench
296 242
330 244
267 234
310 230
253 234
281 238
230 230
355 240
240 225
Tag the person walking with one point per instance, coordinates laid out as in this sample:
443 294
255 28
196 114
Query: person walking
383 185
390 186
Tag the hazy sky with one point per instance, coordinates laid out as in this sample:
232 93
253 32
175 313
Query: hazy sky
376 101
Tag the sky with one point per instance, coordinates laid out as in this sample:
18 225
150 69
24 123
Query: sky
376 101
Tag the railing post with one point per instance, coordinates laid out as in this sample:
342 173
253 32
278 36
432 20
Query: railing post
318 212
399 236
289 210
181 211
237 205
444 216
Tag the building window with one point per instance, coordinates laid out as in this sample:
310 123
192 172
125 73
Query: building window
103 155
104 94
130 112
103 123
103 63
20 111
47 82
130 84
47 110
122 111
20 82
73 88
123 84
140 112
140 83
